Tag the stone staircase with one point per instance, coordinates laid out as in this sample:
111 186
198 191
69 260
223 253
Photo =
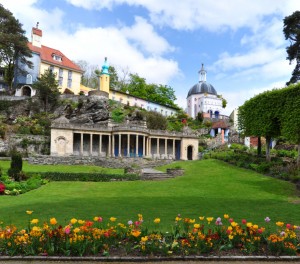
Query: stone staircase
149 174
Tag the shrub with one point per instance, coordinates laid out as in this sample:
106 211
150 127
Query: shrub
16 166
156 120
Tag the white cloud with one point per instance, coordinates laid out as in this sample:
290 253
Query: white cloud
212 15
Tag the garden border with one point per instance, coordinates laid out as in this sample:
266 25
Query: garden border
153 259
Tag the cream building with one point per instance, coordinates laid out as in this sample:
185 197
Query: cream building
68 74
125 140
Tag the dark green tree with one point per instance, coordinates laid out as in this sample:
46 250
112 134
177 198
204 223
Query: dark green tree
113 78
291 30
14 51
47 89
290 117
156 120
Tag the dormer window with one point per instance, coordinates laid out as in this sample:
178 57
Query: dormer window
56 57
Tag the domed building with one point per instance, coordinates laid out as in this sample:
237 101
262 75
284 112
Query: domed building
203 98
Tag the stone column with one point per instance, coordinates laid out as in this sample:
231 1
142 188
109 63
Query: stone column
81 144
136 145
149 146
173 148
113 145
157 147
128 145
166 146
100 145
144 146
91 144
120 145
109 146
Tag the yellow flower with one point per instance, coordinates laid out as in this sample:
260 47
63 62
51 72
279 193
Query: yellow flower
280 224
249 224
201 218
197 226
230 237
34 221
53 221
135 233
209 219
229 228
144 239
73 221
234 224
112 219
140 216
191 221
177 218
29 212
157 220
81 222
255 226
76 230
226 216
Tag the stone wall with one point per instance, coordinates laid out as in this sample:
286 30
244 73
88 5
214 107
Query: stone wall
102 162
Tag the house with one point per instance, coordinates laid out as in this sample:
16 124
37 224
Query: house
67 72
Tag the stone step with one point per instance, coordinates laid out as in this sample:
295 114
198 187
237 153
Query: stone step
156 176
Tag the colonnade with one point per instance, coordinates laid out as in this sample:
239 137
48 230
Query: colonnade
125 145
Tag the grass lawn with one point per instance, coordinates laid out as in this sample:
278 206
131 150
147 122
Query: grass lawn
5 165
208 188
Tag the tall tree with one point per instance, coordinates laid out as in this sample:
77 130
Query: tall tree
89 77
14 52
290 117
291 32
47 89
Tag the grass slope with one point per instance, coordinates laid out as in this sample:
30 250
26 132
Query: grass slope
208 188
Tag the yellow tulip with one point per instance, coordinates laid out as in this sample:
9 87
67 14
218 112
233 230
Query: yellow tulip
144 239
226 216
73 221
29 212
53 221
112 219
280 224
157 220
201 218
34 221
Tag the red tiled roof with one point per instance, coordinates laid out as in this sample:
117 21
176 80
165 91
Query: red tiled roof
47 53
37 31
220 124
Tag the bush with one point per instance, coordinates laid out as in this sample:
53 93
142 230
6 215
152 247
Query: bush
156 120
16 165
95 177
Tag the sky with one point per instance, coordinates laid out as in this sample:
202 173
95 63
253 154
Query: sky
240 42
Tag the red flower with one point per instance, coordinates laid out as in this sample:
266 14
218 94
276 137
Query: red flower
2 188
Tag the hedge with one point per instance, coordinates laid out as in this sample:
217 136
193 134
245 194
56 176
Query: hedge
94 177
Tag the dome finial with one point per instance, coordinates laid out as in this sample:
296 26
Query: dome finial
105 67
202 74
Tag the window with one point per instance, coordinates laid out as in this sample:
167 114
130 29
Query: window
56 57
60 77
29 79
51 68
69 79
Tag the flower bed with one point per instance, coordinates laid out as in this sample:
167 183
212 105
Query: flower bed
204 236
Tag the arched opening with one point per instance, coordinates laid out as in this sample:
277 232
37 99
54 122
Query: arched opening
190 152
26 91
217 114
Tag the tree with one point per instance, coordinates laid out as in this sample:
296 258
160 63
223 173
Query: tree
291 32
89 77
290 118
113 78
14 52
260 117
156 120
47 88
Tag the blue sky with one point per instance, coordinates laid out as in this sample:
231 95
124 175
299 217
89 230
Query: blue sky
240 42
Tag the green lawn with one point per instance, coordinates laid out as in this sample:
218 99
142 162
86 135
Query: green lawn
208 188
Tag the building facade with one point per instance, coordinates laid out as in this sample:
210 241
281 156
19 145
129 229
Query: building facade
125 140
45 58
203 98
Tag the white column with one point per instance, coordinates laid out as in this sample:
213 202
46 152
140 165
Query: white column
128 145
81 144
113 145
144 146
91 144
100 145
120 138
173 148
137 145
166 146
